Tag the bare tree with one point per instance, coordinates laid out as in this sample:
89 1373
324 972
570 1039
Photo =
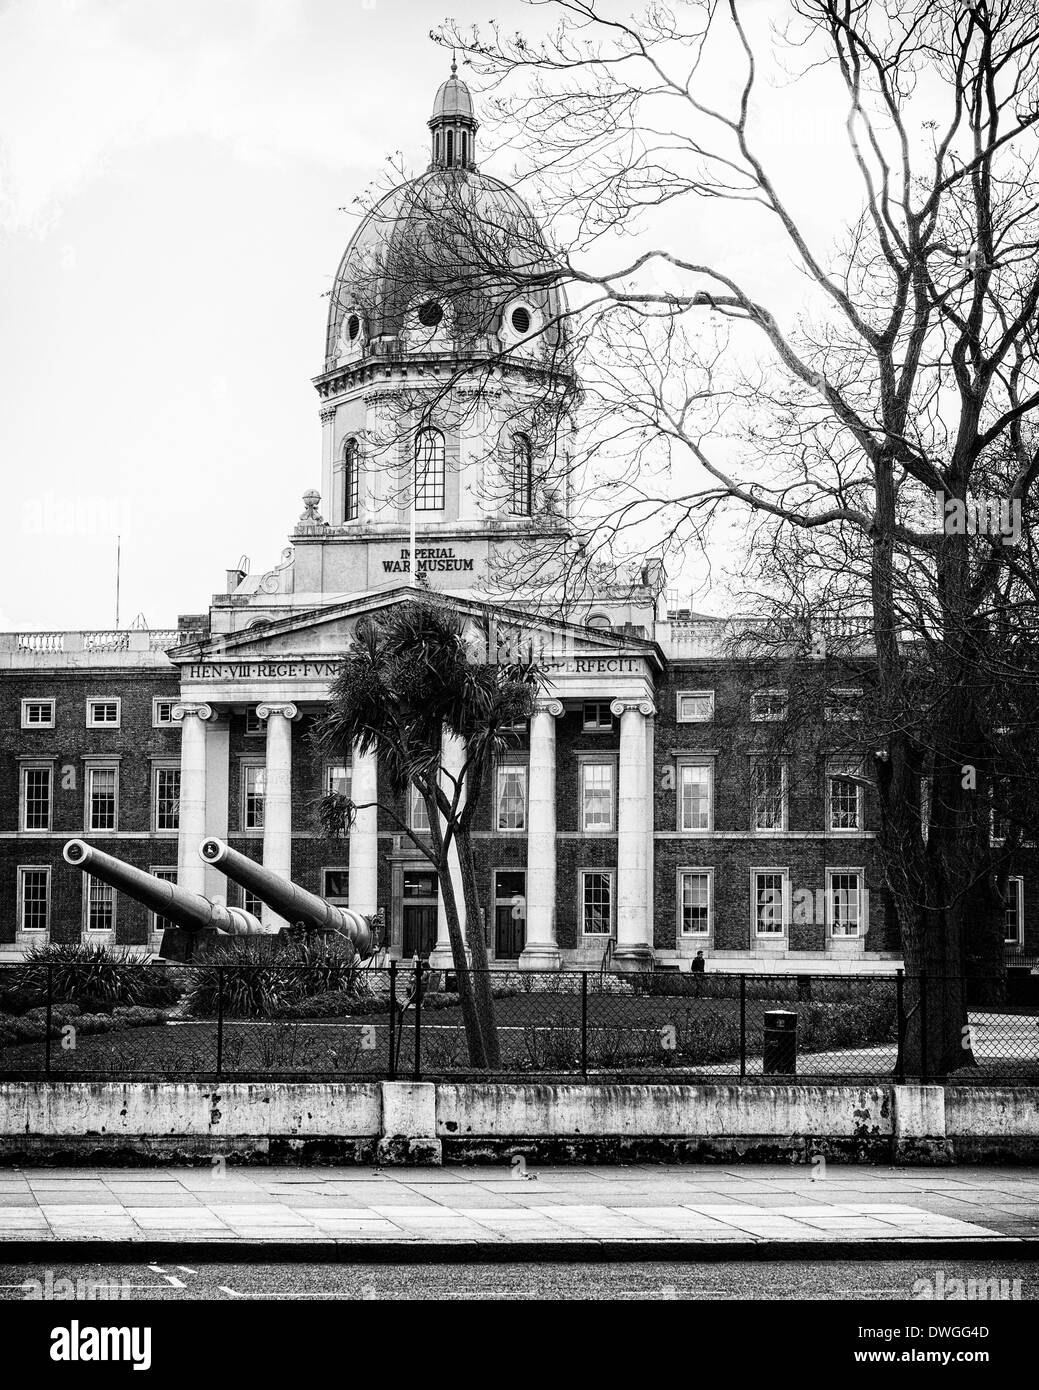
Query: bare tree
895 364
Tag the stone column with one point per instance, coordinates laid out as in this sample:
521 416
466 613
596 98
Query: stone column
364 836
277 808
331 480
193 719
541 951
452 759
634 949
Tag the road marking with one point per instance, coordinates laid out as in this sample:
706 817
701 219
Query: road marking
231 1293
174 1282
186 1270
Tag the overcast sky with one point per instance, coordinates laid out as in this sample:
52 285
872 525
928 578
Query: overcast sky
170 183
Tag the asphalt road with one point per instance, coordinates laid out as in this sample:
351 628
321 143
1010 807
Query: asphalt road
773 1280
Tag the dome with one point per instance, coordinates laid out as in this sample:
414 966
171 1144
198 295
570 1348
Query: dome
455 247
452 100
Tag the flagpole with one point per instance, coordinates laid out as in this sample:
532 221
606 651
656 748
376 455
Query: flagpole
414 493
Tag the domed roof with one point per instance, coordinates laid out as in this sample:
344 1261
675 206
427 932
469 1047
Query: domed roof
453 99
454 237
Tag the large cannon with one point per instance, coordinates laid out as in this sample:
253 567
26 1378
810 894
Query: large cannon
190 913
288 900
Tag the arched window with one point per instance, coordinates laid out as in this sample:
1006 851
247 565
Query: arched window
429 471
465 149
450 148
522 476
436 147
351 481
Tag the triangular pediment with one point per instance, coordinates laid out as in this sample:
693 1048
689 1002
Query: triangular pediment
326 633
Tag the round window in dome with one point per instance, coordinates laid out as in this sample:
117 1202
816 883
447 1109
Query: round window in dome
353 327
521 320
430 314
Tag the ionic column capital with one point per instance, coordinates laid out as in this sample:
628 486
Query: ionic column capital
645 707
552 707
182 711
282 707
327 412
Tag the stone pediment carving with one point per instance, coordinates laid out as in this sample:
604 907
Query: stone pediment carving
510 634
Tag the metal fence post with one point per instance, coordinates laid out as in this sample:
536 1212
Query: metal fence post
393 1020
900 1026
584 1022
418 1018
219 1018
923 1026
50 1007
743 1026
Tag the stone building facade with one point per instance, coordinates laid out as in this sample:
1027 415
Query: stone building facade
643 816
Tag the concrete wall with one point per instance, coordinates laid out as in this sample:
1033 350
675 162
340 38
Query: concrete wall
426 1122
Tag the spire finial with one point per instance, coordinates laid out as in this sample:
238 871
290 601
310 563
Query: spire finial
454 65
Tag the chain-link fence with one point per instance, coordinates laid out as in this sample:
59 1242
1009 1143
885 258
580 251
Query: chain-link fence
123 1020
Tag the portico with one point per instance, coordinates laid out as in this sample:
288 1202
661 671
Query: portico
281 674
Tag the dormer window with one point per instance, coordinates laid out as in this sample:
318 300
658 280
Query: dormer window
430 314
521 321
353 327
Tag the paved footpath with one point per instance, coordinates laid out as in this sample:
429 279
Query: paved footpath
520 1211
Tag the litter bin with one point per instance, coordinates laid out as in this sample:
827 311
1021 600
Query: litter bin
779 1054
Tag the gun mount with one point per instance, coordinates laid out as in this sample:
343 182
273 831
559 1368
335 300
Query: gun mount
288 900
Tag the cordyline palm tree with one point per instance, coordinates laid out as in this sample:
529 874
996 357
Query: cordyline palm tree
410 679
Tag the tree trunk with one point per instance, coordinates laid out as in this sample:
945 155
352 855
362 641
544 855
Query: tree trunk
467 999
478 949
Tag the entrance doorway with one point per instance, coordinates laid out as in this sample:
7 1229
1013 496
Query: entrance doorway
418 913
510 913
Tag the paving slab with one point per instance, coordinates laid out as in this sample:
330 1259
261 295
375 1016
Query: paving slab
669 1210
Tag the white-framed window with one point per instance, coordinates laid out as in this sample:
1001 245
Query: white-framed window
843 795
34 897
769 901
162 712
102 796
37 796
768 706
166 798
98 905
351 481
418 816
769 778
168 874
335 885
596 901
597 786
1014 914
844 902
695 706
511 800
597 717
339 779
254 725
521 502
429 470
696 795
695 902
104 712
249 902
254 795
844 703
38 714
